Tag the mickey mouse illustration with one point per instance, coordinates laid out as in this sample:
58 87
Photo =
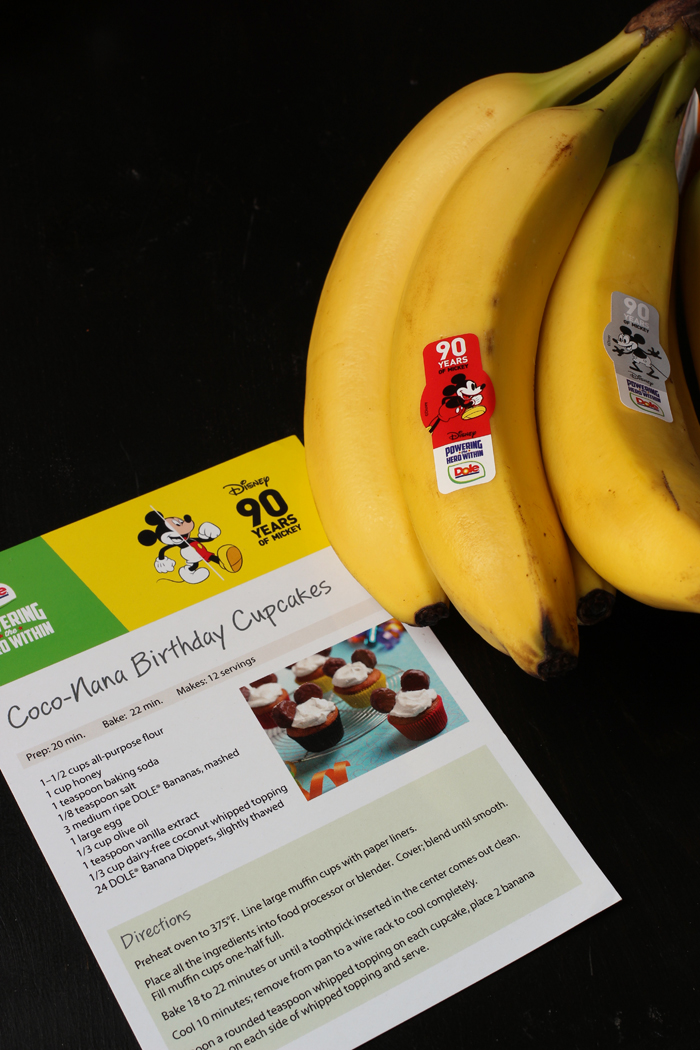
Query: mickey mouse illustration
627 343
461 398
178 532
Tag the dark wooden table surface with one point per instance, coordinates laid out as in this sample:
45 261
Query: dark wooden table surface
175 178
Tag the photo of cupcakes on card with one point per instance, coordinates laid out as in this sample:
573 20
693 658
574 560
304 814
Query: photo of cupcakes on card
416 710
262 696
355 681
310 720
310 669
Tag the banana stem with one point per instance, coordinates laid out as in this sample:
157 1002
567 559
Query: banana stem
660 16
661 132
569 81
621 99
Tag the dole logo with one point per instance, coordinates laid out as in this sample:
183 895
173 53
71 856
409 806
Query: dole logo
466 472
648 405
6 594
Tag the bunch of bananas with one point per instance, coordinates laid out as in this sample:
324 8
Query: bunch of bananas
494 227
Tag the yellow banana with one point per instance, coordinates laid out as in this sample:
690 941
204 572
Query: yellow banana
349 454
619 459
595 597
477 293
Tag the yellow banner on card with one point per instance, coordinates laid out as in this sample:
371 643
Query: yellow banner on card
185 542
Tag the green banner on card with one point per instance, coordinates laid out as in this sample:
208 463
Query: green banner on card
46 612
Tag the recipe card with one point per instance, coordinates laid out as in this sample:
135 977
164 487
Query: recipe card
249 869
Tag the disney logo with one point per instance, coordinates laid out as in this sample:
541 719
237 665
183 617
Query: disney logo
236 488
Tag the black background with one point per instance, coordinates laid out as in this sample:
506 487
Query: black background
175 178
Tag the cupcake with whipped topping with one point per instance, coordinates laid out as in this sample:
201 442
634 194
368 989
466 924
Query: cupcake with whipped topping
416 710
310 669
310 719
263 696
354 682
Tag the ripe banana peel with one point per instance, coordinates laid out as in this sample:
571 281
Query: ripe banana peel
350 460
483 274
619 458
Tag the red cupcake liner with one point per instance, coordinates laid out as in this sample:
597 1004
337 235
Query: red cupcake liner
422 727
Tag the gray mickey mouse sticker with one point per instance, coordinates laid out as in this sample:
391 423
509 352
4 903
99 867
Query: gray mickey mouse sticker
631 341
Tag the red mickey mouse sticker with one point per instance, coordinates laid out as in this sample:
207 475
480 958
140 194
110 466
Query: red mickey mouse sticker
456 406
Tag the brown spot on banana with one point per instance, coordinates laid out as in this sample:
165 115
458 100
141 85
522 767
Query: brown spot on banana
670 491
563 149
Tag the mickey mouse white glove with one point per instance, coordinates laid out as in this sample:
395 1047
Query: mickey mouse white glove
164 564
207 531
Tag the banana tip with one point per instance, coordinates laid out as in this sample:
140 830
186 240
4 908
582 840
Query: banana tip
594 607
429 615
555 663
557 659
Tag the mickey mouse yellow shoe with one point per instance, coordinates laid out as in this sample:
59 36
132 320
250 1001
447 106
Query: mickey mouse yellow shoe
230 557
